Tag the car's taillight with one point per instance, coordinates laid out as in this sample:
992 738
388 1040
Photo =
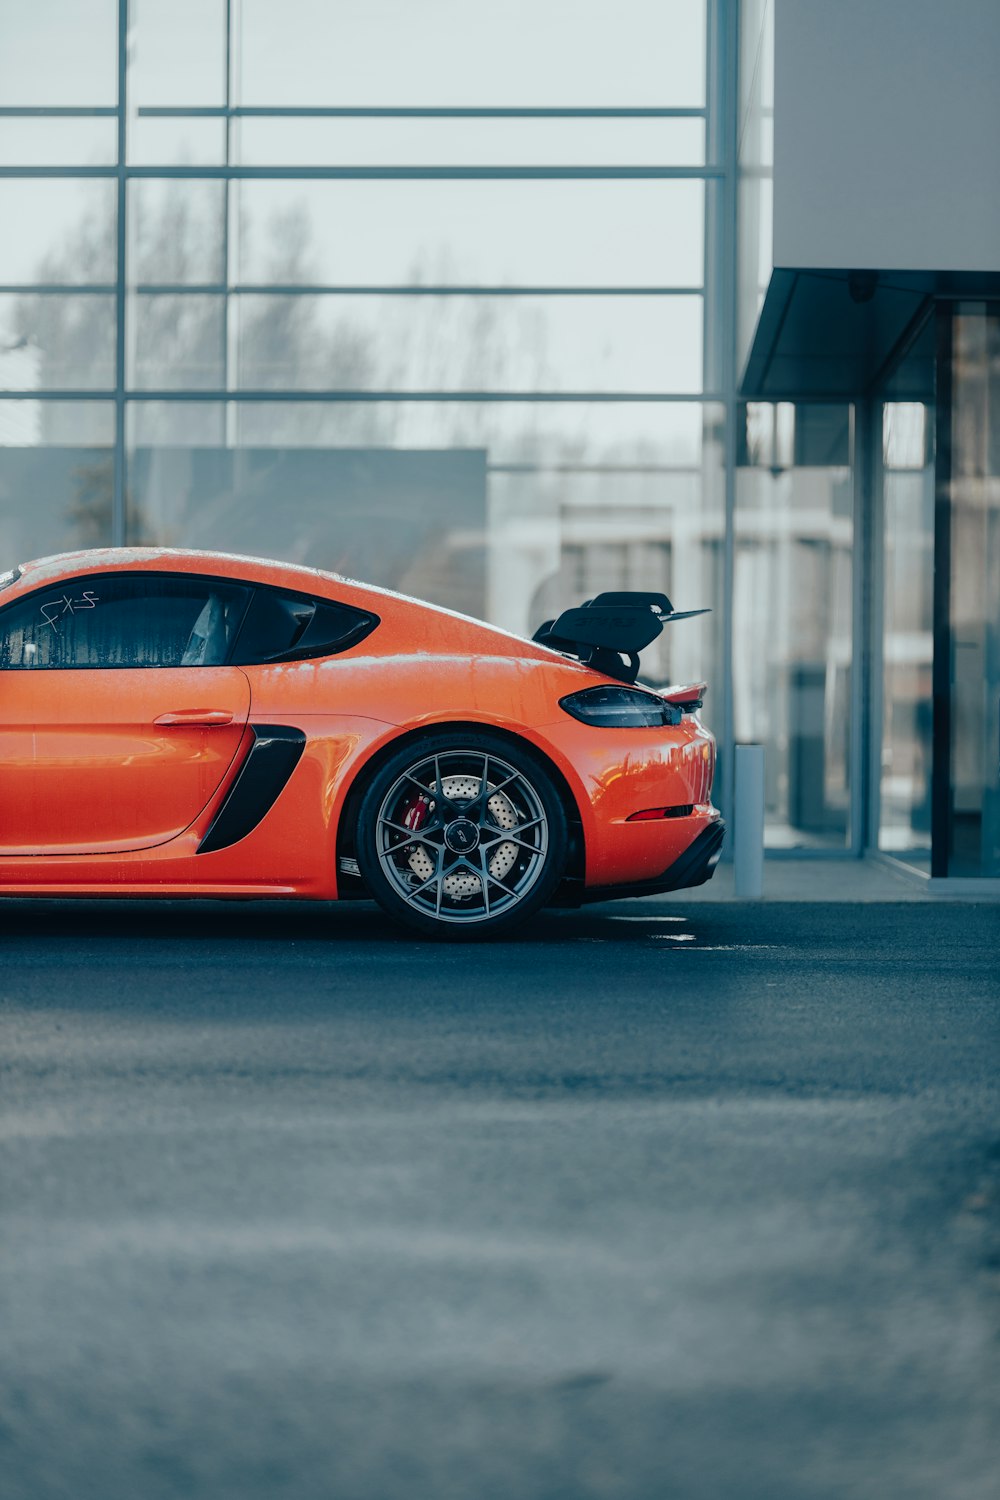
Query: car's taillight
620 708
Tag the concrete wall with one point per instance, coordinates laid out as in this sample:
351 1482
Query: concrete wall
887 134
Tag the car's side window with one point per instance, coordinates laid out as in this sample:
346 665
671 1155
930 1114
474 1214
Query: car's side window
123 620
281 626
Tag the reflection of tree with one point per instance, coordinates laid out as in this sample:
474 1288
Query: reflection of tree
176 233
69 339
74 336
90 509
285 341
91 506
401 342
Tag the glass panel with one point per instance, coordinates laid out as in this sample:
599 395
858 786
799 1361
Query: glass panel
974 493
177 342
399 233
51 342
56 469
619 437
173 142
72 424
409 520
908 626
471 142
293 626
447 52
175 424
562 532
58 143
122 621
65 230
507 343
60 52
176 230
510 510
792 615
177 52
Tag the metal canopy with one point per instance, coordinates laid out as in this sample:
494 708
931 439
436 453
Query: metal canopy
831 334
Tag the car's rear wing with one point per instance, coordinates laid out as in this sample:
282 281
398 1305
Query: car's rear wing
607 633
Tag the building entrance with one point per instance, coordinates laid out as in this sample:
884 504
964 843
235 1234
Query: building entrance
939 768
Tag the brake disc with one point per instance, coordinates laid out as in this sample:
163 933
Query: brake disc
463 884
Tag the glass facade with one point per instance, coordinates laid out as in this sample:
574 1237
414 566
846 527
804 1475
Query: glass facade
792 614
437 321
433 314
939 802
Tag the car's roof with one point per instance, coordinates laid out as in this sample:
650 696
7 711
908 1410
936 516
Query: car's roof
185 559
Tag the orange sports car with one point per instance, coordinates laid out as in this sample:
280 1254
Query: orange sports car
197 724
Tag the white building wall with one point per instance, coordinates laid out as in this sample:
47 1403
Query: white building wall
887 134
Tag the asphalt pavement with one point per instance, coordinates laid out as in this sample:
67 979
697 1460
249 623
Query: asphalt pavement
659 1201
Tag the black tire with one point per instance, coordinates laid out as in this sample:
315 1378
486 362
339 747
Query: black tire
461 835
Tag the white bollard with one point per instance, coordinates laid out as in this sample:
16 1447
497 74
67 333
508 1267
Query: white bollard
748 822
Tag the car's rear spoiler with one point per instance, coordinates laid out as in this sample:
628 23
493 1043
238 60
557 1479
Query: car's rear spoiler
607 633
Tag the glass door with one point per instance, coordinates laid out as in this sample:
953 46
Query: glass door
907 631
904 434
792 614
939 773
967 599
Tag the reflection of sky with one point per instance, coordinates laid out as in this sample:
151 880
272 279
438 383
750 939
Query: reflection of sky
52 217
381 52
59 52
58 142
268 141
584 233
516 433
453 52
516 343
177 50
461 142
566 53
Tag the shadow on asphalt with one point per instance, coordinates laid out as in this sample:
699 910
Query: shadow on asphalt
320 922
771 925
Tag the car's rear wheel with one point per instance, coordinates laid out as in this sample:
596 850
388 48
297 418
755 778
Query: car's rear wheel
461 835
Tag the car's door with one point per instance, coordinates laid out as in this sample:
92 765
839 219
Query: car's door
118 716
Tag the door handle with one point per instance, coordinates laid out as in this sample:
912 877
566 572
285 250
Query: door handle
204 718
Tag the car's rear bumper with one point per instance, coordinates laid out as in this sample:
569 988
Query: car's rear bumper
693 867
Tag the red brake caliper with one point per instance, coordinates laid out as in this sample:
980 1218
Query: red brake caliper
416 811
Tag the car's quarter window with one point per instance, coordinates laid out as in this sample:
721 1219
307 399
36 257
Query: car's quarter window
284 626
123 620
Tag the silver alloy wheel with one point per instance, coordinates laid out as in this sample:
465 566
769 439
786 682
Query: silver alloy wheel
462 836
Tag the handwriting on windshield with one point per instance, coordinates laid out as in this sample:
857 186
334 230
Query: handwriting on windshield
67 605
